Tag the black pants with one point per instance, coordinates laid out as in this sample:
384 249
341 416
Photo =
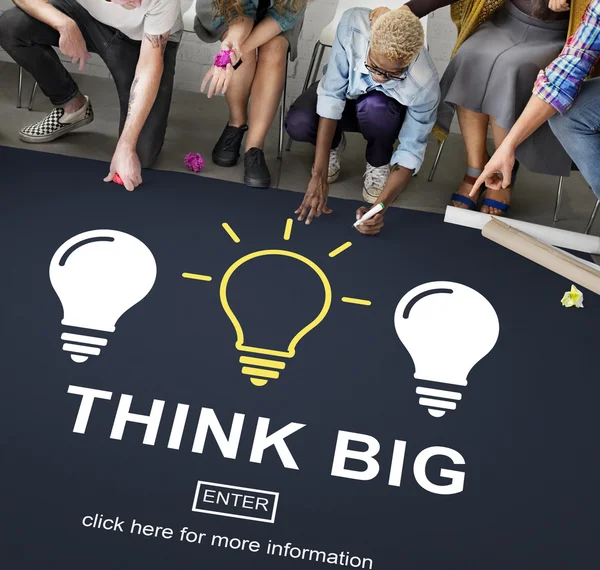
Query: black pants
28 41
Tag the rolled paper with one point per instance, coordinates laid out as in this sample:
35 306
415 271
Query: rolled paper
223 58
553 236
584 274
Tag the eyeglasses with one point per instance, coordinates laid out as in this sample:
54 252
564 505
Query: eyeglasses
388 76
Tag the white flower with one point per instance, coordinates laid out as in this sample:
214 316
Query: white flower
573 298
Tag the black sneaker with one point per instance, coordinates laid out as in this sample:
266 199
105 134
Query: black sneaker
256 171
227 149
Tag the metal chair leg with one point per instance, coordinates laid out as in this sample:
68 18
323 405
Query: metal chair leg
437 160
311 66
32 98
20 87
592 217
282 113
309 74
318 64
559 196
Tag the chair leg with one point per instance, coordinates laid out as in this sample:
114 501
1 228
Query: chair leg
592 217
318 64
309 73
20 87
559 197
437 160
32 98
282 112
311 67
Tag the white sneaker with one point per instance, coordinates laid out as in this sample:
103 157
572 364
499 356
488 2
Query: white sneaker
335 157
375 179
57 124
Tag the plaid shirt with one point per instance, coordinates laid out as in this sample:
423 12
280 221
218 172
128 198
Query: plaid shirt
559 84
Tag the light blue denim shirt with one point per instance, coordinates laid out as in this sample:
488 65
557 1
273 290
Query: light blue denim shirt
346 77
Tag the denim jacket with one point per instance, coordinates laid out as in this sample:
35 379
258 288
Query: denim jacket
286 19
346 77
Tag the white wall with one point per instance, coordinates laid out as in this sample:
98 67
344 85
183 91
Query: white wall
194 56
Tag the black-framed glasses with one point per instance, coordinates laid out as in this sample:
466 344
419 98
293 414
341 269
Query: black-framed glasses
388 76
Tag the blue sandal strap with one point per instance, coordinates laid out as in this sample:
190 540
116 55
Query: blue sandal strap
463 200
495 204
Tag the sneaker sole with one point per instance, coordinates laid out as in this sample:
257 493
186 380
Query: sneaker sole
368 198
225 162
332 179
52 137
256 183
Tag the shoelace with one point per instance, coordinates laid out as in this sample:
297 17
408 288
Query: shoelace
255 159
230 138
334 160
375 176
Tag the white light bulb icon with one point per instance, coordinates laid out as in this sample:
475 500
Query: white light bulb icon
98 276
447 329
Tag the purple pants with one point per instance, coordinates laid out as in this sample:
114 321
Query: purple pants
375 115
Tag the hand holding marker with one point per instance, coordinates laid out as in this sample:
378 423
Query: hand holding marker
370 214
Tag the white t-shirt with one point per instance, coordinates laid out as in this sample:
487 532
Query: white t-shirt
154 17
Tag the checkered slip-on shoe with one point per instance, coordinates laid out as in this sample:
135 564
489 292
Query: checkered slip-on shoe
57 124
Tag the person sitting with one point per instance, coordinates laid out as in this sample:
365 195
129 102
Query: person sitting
137 40
572 104
271 28
501 46
382 83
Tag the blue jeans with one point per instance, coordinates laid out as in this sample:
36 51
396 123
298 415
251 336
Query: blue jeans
578 130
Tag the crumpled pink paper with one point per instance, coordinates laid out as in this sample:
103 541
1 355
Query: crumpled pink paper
223 58
194 161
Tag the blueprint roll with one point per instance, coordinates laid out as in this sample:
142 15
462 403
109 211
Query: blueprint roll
583 273
560 238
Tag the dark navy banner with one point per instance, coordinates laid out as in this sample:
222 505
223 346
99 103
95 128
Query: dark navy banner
192 379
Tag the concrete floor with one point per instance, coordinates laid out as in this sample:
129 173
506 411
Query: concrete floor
196 122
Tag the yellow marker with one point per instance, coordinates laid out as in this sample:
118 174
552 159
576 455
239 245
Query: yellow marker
231 233
353 301
339 250
288 229
196 277
256 373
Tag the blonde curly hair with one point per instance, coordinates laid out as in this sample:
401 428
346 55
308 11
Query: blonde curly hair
233 9
397 36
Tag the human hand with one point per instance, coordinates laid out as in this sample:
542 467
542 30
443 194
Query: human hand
497 173
126 164
218 77
370 227
559 5
315 199
72 44
378 12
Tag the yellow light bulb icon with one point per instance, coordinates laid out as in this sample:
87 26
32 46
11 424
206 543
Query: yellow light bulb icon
261 370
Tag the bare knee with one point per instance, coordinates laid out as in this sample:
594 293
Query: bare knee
274 52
